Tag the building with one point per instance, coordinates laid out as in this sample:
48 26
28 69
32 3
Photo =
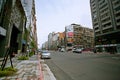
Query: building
30 32
50 40
83 36
61 39
77 35
45 46
106 24
12 22
33 26
56 40
50 36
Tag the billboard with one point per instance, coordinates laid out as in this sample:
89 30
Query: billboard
69 31
70 34
69 28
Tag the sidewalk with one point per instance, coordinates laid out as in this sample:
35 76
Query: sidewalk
27 69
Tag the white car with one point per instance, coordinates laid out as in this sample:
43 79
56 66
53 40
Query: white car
77 51
62 50
45 55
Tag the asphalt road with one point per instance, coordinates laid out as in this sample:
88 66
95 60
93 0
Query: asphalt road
72 66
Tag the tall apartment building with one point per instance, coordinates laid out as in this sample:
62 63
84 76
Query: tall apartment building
106 24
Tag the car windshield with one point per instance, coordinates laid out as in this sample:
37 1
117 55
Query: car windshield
44 51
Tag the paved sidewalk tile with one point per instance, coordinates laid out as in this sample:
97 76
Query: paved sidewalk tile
27 69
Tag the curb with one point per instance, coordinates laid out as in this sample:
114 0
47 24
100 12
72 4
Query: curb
40 69
48 75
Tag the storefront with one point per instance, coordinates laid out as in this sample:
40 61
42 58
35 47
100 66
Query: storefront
110 48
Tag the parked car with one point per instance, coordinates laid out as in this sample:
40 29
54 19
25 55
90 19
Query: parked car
62 50
77 51
45 54
73 50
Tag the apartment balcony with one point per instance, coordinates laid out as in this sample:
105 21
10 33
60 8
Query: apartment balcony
97 30
95 23
118 11
116 4
106 22
94 10
96 26
107 27
117 17
103 8
103 17
118 24
115 1
102 4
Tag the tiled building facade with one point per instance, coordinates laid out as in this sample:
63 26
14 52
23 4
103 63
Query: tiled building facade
12 20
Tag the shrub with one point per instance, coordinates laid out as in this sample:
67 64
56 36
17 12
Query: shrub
7 71
31 54
23 58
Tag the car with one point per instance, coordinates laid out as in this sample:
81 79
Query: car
62 50
73 50
45 54
77 50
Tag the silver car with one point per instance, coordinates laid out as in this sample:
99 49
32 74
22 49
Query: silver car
77 51
45 54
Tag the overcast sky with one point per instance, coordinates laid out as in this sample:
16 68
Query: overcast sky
54 15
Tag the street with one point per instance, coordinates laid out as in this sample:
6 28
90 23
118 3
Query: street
73 66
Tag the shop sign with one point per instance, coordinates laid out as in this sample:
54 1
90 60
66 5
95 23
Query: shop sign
2 31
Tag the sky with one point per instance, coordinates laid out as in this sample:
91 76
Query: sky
54 15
